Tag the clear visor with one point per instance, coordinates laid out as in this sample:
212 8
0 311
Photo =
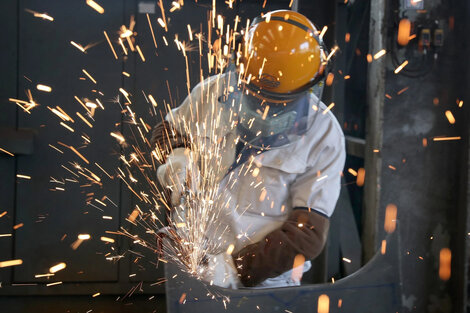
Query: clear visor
268 124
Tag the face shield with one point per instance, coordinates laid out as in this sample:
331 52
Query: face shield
267 124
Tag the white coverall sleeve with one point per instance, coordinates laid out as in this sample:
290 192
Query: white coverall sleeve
319 187
200 109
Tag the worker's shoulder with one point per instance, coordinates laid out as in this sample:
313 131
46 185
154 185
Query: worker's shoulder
211 82
324 121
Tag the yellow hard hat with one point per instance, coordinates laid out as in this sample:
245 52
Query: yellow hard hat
283 55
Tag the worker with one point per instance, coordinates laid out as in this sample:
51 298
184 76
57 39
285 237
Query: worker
287 140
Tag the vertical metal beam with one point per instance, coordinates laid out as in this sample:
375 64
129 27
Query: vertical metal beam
374 128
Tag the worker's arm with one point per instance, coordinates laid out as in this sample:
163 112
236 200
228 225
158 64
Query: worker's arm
305 231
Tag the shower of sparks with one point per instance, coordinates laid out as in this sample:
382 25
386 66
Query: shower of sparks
95 6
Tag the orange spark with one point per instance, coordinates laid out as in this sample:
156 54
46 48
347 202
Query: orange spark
18 226
329 79
57 267
160 20
390 218
118 137
140 53
7 152
54 284
361 175
380 54
151 30
332 104
450 117
23 176
352 172
399 68
43 88
230 249
298 268
402 90
404 30
11 263
323 304
134 215
323 31
446 138
84 236
445 257
110 44
89 76
44 16
67 126
79 47
383 248
84 119
152 100
98 8
107 239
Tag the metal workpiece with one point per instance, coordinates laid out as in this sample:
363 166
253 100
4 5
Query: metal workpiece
374 288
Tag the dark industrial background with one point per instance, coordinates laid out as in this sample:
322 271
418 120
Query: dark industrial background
396 114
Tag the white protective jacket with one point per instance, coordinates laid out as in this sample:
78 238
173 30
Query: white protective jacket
302 174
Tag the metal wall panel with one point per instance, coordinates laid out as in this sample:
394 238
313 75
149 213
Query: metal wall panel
8 89
52 219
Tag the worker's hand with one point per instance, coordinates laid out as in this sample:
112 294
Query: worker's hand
220 270
173 173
